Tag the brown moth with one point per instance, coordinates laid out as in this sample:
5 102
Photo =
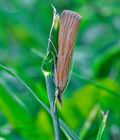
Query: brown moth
67 35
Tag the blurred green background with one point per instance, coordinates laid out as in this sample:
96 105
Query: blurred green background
94 84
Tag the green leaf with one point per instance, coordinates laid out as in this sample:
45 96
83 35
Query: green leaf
67 131
106 61
48 68
102 126
97 84
50 59
89 121
16 108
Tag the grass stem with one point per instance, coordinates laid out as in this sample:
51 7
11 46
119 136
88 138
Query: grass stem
53 107
102 126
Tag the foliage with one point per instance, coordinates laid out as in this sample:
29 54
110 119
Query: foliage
24 32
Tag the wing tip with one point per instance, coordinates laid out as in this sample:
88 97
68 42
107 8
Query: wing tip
60 98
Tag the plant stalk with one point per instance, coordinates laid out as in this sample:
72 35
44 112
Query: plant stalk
102 126
53 107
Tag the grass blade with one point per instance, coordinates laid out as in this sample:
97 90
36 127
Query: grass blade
48 66
96 84
102 126
51 92
37 53
66 130
20 113
89 121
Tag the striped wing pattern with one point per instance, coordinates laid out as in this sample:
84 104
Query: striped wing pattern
67 36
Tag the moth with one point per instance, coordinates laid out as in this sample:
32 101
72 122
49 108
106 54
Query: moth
67 36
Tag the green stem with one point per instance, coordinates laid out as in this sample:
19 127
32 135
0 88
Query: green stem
89 121
102 126
53 107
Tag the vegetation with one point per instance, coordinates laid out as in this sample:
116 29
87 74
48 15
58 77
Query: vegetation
95 81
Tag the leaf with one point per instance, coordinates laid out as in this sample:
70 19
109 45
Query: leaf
67 131
106 61
97 84
16 108
38 53
102 126
89 121
48 66
49 60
